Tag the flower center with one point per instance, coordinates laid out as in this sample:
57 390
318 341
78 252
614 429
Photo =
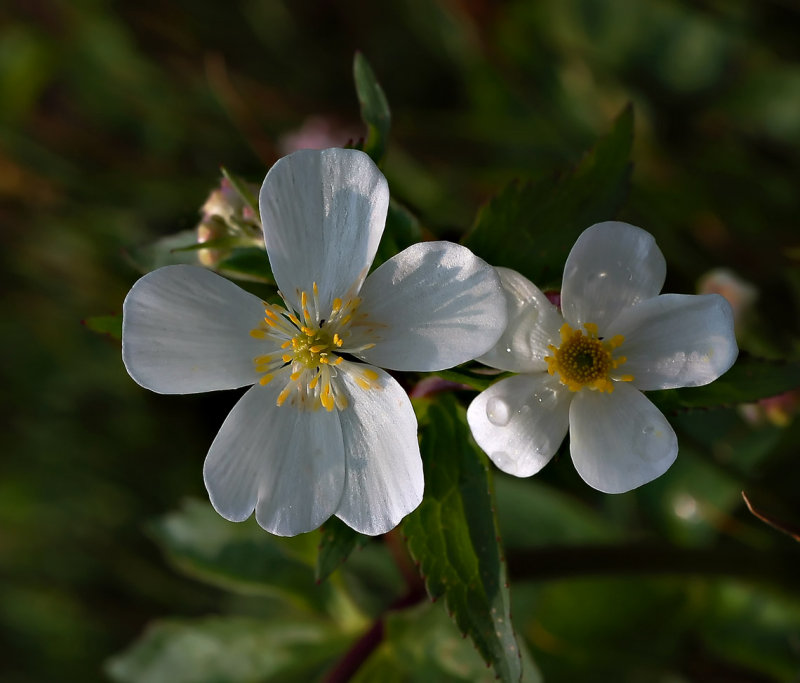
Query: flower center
309 348
586 360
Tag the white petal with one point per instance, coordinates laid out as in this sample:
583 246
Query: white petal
521 421
323 214
430 307
285 463
619 441
611 266
187 330
533 324
677 340
384 479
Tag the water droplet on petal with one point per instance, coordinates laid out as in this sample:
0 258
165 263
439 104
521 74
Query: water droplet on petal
648 444
502 459
498 411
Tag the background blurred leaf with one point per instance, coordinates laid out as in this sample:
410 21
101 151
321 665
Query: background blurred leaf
336 543
247 263
374 107
240 557
284 648
105 324
531 226
750 379
421 645
402 230
453 537
165 251
560 517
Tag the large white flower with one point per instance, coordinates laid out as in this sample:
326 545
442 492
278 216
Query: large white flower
584 369
324 430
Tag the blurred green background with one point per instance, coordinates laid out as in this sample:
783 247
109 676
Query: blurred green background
114 120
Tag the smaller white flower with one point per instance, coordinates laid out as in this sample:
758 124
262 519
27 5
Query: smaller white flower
324 430
583 370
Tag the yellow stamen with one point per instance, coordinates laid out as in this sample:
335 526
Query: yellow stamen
266 379
258 334
585 360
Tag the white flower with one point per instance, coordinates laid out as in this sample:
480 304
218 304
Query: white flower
585 370
320 433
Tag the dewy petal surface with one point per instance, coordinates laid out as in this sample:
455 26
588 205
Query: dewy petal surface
620 440
384 479
521 421
677 340
533 323
285 463
611 266
323 214
432 306
187 330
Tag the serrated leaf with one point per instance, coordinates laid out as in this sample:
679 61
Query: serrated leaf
105 324
374 107
240 557
247 263
453 537
531 226
750 379
336 542
243 190
421 645
230 650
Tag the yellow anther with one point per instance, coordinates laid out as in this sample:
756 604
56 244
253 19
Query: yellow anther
284 395
287 357
317 348
313 383
370 374
583 360
266 379
258 360
258 334
336 306
363 383
337 340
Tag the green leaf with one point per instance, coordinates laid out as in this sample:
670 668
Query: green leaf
561 519
479 382
240 557
531 226
243 190
226 242
336 543
402 230
285 648
105 324
166 251
247 263
421 645
750 379
374 107
453 537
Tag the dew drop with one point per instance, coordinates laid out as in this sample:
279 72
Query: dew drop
502 459
498 412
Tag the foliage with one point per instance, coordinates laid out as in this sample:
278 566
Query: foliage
512 128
